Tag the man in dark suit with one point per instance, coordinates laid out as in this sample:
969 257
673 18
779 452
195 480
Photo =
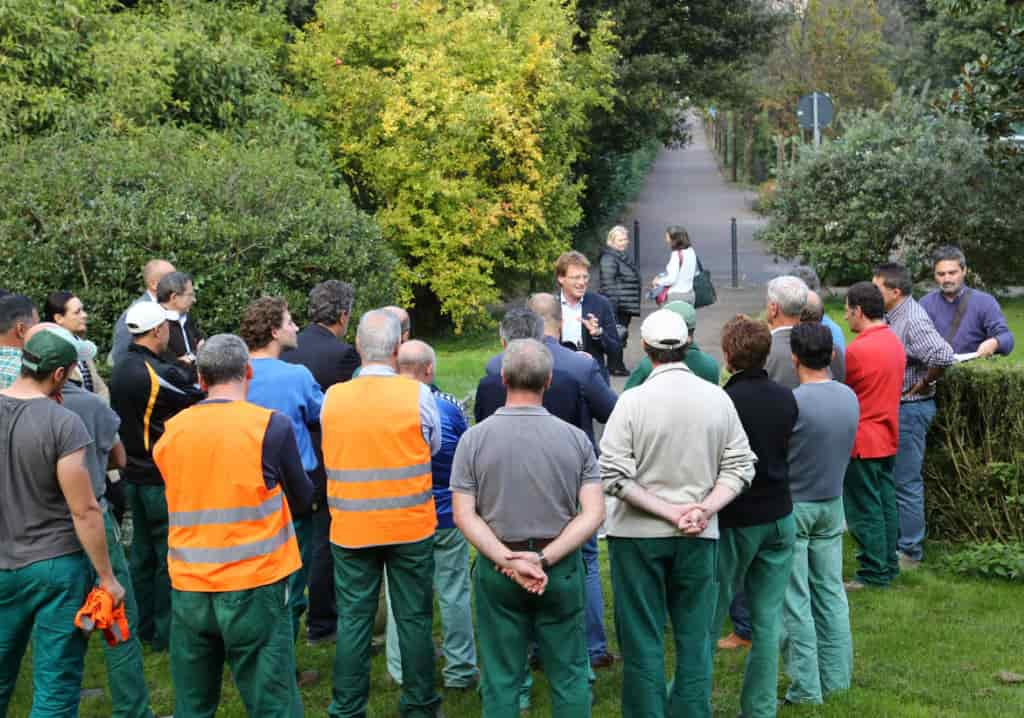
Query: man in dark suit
588 322
598 399
595 401
564 398
331 360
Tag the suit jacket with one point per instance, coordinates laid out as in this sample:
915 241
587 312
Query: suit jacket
122 337
597 398
331 362
780 361
608 342
564 399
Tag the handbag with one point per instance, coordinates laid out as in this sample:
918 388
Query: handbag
704 293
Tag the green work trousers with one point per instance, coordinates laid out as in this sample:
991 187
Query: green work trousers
757 560
252 631
358 577
655 578
817 648
38 602
451 583
869 497
508 617
298 600
148 563
129 696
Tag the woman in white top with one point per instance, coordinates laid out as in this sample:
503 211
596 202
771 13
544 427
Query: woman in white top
681 267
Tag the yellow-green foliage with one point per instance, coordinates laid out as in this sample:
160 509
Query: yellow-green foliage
459 121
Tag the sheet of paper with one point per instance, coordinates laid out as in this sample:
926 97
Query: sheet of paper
965 357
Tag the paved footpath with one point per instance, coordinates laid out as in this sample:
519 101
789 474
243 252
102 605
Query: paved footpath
686 187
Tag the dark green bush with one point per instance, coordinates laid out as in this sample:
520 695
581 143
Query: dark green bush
974 467
246 218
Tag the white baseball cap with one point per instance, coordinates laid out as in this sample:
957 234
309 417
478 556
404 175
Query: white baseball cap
143 316
664 329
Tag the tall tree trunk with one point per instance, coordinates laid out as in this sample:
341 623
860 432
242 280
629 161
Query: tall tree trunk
748 145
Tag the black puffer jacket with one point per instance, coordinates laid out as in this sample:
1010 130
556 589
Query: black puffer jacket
620 282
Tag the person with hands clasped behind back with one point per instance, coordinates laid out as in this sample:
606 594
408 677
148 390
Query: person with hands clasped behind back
526 494
673 454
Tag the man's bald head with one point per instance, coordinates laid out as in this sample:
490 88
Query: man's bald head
403 318
814 309
549 309
417 360
153 271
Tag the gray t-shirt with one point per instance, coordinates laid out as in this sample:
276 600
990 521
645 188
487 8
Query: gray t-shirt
35 521
820 446
525 467
102 422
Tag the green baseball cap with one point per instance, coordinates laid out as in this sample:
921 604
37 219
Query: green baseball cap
54 347
685 310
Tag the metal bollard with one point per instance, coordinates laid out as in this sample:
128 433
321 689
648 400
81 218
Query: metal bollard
636 242
735 257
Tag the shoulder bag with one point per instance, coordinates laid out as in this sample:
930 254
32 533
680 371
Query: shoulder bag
704 293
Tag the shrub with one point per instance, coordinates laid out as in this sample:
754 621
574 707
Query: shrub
459 124
900 181
974 466
85 212
988 560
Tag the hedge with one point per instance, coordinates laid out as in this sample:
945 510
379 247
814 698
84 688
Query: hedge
83 213
974 466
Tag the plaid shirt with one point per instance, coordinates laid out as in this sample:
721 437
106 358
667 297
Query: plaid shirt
925 348
10 366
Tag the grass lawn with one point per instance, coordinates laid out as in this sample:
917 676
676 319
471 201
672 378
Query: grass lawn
1012 308
930 646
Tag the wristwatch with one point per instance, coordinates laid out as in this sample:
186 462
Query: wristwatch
543 560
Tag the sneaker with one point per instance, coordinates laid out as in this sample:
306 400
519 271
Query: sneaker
854 585
733 642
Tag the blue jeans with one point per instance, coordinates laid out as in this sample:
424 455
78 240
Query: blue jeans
740 615
597 641
915 418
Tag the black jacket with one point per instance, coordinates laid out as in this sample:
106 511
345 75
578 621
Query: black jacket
331 361
177 347
768 413
146 391
620 282
608 342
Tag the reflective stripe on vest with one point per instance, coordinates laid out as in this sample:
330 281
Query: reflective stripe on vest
378 466
226 530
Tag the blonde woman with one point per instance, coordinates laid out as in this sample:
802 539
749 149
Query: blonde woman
620 285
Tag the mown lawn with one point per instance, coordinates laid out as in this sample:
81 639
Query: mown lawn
930 646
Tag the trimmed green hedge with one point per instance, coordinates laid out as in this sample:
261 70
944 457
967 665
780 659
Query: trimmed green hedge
974 467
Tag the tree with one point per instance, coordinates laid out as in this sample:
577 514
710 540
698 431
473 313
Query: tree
831 46
900 181
458 123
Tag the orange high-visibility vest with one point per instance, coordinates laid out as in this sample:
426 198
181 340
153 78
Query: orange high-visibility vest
378 463
226 530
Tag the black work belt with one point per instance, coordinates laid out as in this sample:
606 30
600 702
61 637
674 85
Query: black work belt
528 544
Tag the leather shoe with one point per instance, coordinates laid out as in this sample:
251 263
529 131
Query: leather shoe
619 371
603 661
733 642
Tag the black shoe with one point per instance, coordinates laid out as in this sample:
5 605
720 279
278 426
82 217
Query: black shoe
619 371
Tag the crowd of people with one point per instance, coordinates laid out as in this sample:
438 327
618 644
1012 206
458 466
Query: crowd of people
275 473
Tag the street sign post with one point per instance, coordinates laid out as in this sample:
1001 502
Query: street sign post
815 111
